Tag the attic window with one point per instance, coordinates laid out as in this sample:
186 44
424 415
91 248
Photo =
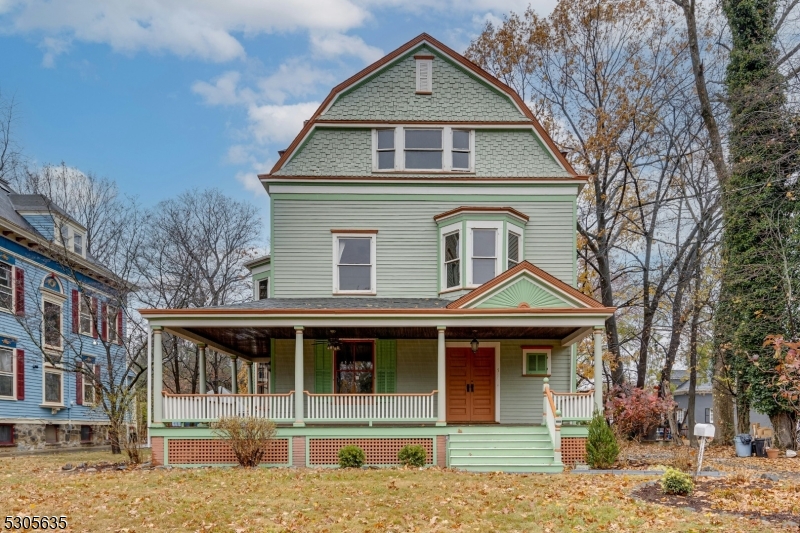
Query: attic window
424 74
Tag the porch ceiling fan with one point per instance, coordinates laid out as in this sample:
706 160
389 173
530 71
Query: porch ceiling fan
332 343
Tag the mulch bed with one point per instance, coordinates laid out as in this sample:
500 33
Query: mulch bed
701 501
88 468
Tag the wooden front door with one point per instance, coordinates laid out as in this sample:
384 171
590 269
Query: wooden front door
470 385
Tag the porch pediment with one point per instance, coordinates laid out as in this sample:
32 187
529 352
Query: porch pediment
525 287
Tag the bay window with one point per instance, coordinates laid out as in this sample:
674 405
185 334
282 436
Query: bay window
483 251
514 249
354 263
452 259
429 149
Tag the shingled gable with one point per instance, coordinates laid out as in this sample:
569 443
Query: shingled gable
422 39
526 286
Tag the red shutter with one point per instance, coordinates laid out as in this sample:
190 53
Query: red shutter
119 326
103 321
76 309
96 383
20 374
79 384
19 291
94 317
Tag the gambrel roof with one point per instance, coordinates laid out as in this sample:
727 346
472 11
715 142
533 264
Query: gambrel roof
522 115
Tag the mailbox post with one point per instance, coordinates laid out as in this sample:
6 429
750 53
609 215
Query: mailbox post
703 431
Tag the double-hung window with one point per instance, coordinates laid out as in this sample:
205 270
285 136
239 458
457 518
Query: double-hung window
452 259
429 149
52 325
6 373
77 243
112 321
483 250
385 149
85 319
263 289
354 263
88 383
514 246
53 385
6 290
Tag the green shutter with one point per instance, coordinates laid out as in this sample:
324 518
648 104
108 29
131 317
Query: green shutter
537 363
323 369
386 366
272 373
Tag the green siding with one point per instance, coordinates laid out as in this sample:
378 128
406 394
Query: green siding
521 397
524 291
407 242
416 366
348 152
457 95
386 366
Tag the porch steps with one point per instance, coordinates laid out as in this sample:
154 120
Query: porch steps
501 449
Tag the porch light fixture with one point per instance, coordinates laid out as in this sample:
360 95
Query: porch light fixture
474 342
333 342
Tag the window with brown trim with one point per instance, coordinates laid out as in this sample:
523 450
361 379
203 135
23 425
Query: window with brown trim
86 434
6 434
51 434
354 368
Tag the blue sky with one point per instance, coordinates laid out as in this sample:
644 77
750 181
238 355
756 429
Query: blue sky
167 95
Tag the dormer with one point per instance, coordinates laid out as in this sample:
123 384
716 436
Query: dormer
51 222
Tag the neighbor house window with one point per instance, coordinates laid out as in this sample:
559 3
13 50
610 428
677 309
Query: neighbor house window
6 373
88 383
263 289
385 150
709 416
85 315
439 149
354 366
112 319
6 294
51 434
77 243
6 434
536 360
86 434
423 149
514 249
64 231
52 325
53 385
452 259
461 150
354 263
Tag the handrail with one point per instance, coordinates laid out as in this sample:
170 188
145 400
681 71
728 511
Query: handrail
215 395
371 407
374 394
552 418
590 393
574 405
210 407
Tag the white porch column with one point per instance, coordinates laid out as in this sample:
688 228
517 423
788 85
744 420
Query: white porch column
234 376
441 382
250 389
158 377
299 397
201 367
598 368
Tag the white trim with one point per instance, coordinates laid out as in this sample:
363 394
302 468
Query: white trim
443 232
422 87
496 346
257 288
498 247
576 337
400 149
372 257
520 234
548 351
413 186
82 299
13 396
544 285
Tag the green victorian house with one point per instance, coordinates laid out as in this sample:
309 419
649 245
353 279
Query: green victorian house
420 287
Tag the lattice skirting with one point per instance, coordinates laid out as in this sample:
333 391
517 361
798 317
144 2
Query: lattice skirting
378 451
218 451
573 450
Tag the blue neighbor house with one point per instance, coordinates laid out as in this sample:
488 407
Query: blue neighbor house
61 328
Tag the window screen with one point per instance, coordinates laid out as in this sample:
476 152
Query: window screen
52 387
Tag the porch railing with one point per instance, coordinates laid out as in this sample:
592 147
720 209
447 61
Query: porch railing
371 407
210 407
552 419
574 406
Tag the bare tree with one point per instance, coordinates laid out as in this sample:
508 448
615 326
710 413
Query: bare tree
11 158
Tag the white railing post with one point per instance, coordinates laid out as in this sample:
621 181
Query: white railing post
552 418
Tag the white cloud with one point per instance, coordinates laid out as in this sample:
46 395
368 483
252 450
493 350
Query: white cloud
279 123
196 28
337 44
295 78
223 90
250 182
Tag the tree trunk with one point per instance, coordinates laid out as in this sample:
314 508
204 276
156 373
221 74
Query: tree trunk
785 427
742 412
689 418
723 403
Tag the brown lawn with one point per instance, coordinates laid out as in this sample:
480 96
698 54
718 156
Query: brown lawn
232 499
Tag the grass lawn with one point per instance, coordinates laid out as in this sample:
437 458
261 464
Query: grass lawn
232 499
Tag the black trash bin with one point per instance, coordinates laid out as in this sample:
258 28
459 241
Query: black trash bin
760 447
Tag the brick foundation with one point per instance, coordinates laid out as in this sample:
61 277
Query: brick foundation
379 451
441 450
573 450
299 451
157 449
